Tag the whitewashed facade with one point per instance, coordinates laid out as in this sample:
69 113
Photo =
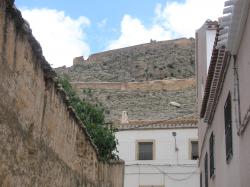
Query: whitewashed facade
224 109
171 164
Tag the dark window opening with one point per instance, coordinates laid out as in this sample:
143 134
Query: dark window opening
228 128
211 156
194 150
200 179
145 151
206 171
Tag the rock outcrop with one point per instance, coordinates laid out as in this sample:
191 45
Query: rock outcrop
152 61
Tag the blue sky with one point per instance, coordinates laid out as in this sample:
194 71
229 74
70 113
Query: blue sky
67 29
97 10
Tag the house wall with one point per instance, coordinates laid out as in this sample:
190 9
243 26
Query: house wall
42 141
168 167
243 62
226 174
236 172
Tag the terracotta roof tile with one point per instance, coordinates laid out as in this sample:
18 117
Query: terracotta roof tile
184 122
210 75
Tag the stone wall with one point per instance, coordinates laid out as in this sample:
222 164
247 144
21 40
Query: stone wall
166 85
43 142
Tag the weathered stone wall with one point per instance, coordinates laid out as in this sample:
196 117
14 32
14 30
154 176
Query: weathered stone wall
43 142
166 85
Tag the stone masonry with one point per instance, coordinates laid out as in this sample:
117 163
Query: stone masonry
43 142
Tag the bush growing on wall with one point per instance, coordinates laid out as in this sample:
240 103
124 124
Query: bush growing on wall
92 117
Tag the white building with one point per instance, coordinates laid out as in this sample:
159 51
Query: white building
224 105
159 153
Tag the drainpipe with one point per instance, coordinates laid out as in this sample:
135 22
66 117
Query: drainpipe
176 148
236 95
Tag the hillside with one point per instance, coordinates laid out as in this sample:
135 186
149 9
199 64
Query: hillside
142 80
142 104
151 61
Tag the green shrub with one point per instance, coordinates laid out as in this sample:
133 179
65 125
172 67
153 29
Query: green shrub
93 118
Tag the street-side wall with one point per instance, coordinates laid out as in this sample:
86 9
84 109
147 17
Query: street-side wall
226 174
43 143
243 63
235 171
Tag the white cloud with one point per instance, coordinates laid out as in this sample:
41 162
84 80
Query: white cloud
102 23
172 20
184 18
61 37
134 32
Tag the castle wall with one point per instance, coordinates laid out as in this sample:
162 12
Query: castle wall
167 85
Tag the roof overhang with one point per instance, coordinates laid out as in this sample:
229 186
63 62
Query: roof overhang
177 123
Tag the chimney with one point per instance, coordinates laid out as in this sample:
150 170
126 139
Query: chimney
124 117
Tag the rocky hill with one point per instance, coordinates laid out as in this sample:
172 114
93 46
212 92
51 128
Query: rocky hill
143 80
151 61
142 104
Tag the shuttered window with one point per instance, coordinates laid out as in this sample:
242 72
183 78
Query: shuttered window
200 179
211 154
228 128
206 171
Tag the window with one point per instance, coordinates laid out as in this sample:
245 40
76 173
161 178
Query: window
151 186
211 154
145 150
200 179
194 150
228 128
206 171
